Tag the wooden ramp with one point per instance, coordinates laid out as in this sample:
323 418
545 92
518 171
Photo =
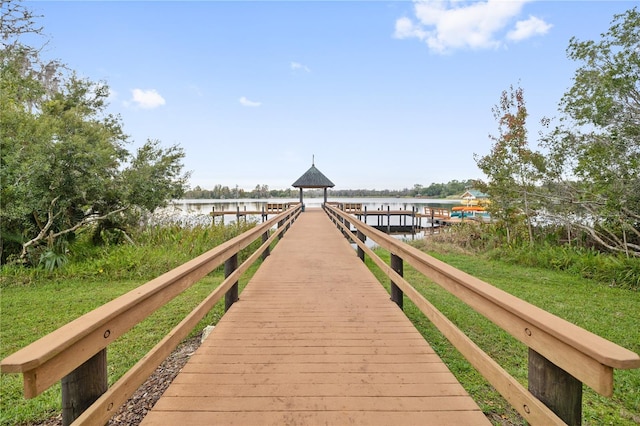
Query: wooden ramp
315 339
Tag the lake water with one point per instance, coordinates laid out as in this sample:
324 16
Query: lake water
197 211
201 206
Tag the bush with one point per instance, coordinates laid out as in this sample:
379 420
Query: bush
155 248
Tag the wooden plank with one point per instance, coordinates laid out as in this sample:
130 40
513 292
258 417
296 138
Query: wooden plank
320 349
271 368
442 376
314 338
320 403
315 417
308 390
333 342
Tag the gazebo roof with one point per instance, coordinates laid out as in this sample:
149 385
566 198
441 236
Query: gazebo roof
313 178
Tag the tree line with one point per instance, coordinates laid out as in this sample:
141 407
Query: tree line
435 190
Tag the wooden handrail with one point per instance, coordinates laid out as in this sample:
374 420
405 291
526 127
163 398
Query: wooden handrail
49 359
584 355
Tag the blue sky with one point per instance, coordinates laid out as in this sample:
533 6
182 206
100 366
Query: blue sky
385 94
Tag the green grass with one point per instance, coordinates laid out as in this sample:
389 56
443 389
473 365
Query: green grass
35 302
32 312
612 313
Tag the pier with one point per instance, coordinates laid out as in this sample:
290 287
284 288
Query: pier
315 338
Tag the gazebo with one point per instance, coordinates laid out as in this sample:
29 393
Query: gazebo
313 178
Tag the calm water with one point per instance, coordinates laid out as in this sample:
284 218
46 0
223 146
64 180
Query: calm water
190 207
190 211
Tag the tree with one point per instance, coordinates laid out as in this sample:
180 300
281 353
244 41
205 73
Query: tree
512 168
64 165
594 153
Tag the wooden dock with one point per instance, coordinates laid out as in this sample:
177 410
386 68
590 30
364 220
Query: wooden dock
315 339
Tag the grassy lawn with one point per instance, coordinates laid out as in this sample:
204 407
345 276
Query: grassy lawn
28 313
612 313
34 302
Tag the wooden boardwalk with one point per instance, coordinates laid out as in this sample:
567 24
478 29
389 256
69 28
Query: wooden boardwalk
315 339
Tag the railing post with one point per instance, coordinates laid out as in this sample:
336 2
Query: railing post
267 251
396 293
362 238
556 388
231 296
280 222
413 220
433 221
83 386
388 220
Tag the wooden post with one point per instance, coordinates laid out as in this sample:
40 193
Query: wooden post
433 221
396 293
413 220
231 296
83 386
556 388
362 238
347 228
388 220
267 251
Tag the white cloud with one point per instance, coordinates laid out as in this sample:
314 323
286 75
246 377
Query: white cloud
298 66
406 29
447 25
529 28
246 102
147 99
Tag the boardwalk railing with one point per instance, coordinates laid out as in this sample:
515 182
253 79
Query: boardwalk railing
562 356
76 353
267 210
